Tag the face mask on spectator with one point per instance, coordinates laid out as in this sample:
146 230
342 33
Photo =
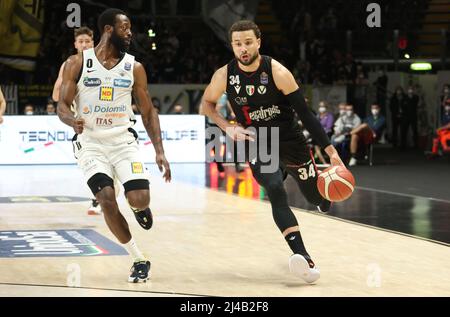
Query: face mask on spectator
29 113
446 91
375 112
322 109
341 112
349 112
410 92
447 108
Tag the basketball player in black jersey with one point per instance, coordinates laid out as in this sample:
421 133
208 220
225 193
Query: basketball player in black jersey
263 93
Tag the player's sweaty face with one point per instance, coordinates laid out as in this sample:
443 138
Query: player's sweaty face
83 42
245 46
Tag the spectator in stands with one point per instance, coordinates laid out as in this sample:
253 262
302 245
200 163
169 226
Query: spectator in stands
342 128
396 106
50 109
2 106
444 101
326 120
29 109
442 137
409 117
341 110
381 86
367 133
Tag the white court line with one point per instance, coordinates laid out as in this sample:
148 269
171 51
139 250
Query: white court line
401 194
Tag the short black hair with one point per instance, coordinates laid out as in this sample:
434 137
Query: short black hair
108 17
244 25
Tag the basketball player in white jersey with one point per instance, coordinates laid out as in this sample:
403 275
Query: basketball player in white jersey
101 80
84 39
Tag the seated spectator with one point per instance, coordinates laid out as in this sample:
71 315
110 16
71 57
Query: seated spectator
442 138
367 133
29 109
341 110
51 110
326 120
342 128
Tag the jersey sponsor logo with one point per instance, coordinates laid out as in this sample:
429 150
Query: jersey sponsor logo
250 90
106 93
103 121
123 83
241 100
91 82
237 88
137 168
264 114
91 70
264 78
262 90
87 109
127 66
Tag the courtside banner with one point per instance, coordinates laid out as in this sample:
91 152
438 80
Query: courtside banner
46 140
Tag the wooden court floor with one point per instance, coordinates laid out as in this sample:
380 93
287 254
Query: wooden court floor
206 242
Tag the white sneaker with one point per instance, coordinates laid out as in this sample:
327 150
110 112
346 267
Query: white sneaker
352 162
300 267
94 209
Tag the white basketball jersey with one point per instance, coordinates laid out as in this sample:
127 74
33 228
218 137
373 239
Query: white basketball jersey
103 97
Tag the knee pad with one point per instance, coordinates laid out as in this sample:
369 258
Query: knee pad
99 181
136 184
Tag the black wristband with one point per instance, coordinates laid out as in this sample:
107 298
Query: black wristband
310 122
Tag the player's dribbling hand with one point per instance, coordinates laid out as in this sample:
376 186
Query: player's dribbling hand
239 133
162 162
335 160
78 125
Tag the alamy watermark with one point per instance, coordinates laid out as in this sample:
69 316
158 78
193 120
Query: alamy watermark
374 18
265 148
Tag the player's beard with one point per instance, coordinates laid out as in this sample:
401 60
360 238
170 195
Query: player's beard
250 60
119 43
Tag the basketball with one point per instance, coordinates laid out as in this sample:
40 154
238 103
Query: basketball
336 183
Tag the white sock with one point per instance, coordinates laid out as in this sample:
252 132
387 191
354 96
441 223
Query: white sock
134 251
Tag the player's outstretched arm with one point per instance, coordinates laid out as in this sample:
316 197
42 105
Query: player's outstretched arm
57 86
285 81
213 92
67 93
149 117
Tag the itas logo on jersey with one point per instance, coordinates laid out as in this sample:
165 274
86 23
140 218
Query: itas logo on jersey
91 82
106 93
122 83
103 121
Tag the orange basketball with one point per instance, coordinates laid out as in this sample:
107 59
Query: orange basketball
336 183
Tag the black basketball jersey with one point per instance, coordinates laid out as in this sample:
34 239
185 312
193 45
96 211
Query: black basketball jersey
256 100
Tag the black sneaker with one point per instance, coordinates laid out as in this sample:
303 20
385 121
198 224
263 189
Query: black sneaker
139 272
144 218
324 206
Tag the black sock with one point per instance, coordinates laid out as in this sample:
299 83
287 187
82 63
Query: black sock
294 239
